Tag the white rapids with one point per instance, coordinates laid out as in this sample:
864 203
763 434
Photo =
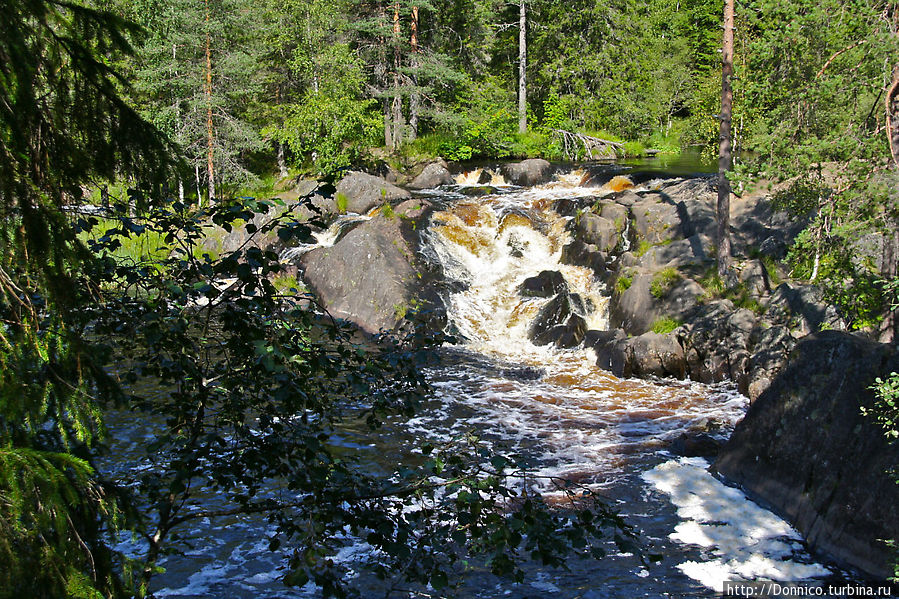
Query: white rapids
584 423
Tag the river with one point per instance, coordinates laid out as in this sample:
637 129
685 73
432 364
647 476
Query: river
569 418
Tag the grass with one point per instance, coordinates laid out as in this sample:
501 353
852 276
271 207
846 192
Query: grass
342 203
623 283
663 282
643 247
665 325
739 295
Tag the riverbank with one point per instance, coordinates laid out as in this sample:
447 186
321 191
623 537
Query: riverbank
650 241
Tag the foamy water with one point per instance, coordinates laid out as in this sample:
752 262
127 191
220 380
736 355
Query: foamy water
570 419
582 422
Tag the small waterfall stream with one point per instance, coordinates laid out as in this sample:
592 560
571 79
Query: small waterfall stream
556 407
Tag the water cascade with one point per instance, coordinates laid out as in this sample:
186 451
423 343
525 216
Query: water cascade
570 418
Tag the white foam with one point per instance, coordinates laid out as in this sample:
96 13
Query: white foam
747 542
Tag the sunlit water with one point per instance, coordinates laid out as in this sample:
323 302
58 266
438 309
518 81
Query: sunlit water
556 408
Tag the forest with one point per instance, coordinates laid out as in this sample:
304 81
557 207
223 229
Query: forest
187 115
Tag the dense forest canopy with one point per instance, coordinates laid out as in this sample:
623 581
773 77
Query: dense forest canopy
187 103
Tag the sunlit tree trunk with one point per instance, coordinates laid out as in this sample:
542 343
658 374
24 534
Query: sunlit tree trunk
724 149
414 100
891 239
397 103
210 131
522 68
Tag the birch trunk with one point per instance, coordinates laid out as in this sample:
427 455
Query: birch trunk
210 131
522 68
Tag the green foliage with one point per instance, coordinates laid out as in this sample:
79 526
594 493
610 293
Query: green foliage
623 283
663 282
633 149
665 325
332 123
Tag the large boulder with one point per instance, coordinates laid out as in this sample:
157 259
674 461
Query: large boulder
650 354
717 342
433 175
373 276
596 230
677 254
579 253
656 222
546 284
637 308
561 322
532 171
360 192
805 449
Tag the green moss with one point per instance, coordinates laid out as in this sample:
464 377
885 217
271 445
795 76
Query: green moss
663 282
665 325
285 283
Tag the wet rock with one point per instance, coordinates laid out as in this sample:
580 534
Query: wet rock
476 191
372 276
572 206
579 253
361 192
650 354
601 342
699 445
805 448
598 231
560 322
546 284
433 175
526 173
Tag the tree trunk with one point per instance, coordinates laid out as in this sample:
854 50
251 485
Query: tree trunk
724 148
414 100
891 240
210 131
282 163
397 103
522 68
892 109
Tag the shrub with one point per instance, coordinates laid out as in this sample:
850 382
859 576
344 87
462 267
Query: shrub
623 283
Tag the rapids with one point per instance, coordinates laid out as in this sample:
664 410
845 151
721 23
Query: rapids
568 417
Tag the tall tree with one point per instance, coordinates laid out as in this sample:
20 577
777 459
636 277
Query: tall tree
197 75
522 68
725 158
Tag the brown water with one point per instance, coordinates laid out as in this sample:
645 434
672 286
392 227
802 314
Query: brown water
555 407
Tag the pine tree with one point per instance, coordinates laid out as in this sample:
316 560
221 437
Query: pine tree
62 123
